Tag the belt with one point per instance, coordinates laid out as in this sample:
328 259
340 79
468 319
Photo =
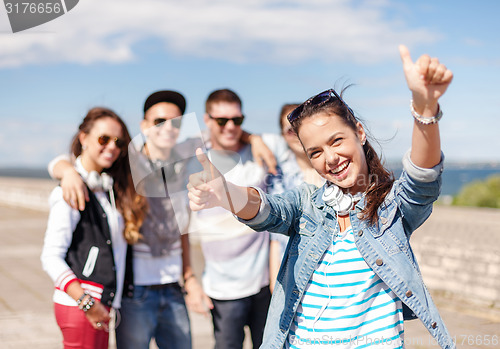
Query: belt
162 286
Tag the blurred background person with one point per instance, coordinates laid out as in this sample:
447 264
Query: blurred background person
236 274
85 251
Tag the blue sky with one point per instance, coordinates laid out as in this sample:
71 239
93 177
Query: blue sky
115 53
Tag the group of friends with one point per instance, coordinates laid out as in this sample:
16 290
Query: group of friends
305 235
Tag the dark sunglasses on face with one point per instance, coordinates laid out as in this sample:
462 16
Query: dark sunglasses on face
176 122
320 99
223 121
104 140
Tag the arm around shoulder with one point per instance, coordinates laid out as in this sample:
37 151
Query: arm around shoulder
58 165
75 192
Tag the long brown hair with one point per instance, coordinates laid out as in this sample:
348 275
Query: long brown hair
131 205
379 179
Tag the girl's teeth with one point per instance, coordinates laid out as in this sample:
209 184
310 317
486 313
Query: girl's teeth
340 169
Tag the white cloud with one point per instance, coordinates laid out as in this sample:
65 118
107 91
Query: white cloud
250 31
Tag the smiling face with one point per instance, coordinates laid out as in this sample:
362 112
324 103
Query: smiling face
161 136
96 156
335 150
228 136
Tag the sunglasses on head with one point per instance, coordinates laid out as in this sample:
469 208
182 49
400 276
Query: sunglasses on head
318 100
223 121
176 122
104 140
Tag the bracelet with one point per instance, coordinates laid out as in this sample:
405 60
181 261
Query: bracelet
87 304
426 120
79 300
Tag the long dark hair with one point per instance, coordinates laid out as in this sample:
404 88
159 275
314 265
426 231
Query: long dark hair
379 179
131 205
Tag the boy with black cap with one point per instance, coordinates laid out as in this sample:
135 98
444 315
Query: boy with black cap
153 304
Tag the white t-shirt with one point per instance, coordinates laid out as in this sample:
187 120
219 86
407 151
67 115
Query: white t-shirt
236 257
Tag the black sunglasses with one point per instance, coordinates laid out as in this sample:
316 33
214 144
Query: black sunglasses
104 140
223 121
320 99
176 122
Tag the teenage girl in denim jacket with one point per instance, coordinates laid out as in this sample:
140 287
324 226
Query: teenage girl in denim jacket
349 277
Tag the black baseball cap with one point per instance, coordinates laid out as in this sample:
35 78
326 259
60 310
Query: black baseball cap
166 96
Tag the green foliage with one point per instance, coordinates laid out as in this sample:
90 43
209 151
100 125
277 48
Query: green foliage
480 193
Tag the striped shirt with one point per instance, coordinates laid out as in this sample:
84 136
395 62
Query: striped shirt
346 305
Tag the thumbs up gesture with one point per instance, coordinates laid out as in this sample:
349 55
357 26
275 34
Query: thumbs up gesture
206 189
427 78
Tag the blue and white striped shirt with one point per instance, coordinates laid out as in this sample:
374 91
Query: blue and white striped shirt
346 305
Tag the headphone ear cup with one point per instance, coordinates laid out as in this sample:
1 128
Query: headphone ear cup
99 181
93 180
334 197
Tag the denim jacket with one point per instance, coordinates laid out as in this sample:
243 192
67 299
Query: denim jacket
302 214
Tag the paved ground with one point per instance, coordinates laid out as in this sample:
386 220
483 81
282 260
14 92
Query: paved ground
27 321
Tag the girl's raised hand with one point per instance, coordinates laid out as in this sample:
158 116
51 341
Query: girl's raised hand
427 78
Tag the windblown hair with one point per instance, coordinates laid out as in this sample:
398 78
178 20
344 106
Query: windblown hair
132 206
224 95
379 179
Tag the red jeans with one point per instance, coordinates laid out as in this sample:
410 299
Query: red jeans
77 331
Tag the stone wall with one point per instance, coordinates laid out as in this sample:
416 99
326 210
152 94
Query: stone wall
458 250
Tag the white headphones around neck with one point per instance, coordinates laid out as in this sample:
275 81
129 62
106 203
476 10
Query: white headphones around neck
341 202
97 181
